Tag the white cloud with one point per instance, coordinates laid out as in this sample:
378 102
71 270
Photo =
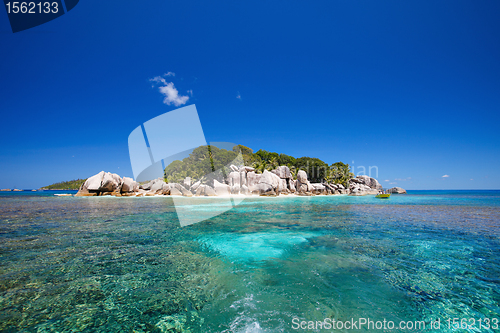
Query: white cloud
190 92
158 79
445 176
172 95
387 180
238 96
169 91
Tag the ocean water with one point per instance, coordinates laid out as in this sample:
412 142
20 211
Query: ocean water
125 264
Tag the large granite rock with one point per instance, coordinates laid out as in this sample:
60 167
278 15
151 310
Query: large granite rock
282 186
270 178
209 191
233 178
302 176
129 185
368 181
195 186
246 169
187 182
243 178
221 189
318 188
357 189
253 178
200 190
175 191
265 189
235 189
303 185
104 183
244 190
157 185
396 190
291 185
165 190
94 183
179 189
283 172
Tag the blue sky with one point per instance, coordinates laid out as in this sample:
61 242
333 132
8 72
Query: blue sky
412 87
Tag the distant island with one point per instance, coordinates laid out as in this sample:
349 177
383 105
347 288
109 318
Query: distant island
67 185
210 171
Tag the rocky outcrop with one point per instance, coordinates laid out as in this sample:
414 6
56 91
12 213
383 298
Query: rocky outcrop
187 182
303 186
368 181
396 190
129 185
246 169
363 185
234 178
283 172
104 183
270 179
156 186
241 180
209 191
282 187
221 189
253 178
244 190
318 188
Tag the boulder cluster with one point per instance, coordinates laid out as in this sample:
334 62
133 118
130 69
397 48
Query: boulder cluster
396 190
241 180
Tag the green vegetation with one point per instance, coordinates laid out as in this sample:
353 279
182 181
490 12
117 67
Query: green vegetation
68 185
210 162
204 163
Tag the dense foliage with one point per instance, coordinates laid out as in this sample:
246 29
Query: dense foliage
204 163
68 185
210 162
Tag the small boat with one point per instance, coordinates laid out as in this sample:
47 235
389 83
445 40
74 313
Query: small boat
383 196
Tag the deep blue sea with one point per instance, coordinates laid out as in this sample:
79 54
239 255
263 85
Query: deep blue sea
284 264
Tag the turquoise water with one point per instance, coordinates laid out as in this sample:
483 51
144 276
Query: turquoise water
125 265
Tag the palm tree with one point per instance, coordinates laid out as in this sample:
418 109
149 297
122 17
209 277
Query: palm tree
259 166
272 164
293 170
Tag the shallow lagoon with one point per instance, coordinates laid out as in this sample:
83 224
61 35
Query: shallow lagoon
125 264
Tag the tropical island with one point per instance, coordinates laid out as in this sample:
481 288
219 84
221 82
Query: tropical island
211 171
67 185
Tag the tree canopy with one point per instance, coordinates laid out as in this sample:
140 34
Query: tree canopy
67 185
207 162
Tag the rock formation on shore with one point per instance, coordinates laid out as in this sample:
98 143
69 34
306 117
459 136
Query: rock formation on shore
396 190
241 180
